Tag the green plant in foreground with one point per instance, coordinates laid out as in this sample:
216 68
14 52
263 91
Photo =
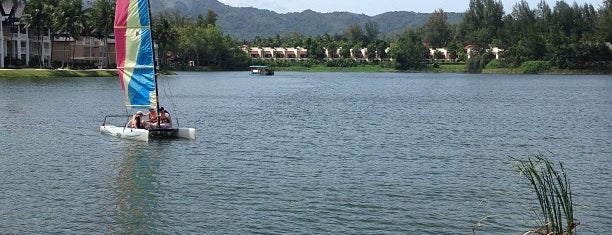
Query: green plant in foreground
554 195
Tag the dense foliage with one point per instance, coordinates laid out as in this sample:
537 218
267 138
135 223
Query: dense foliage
408 51
39 16
184 41
565 36
533 67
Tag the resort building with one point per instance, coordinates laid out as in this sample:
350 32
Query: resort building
276 53
86 52
496 51
299 53
359 55
442 54
17 46
20 48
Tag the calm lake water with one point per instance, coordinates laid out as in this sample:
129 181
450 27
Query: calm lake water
304 153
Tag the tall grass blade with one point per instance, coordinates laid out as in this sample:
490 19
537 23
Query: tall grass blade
553 191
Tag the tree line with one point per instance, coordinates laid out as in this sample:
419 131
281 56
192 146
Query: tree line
564 36
69 18
180 38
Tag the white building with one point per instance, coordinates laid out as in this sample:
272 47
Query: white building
17 46
281 53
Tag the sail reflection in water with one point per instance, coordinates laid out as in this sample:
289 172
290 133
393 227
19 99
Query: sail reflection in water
136 191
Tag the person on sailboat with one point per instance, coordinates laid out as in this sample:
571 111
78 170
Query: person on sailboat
137 120
166 122
152 122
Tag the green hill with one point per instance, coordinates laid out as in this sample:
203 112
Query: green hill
247 22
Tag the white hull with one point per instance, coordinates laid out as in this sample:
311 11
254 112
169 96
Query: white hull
186 133
144 135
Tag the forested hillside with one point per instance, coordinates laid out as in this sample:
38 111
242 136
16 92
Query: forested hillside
247 22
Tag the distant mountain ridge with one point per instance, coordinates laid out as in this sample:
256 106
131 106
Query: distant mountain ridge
246 23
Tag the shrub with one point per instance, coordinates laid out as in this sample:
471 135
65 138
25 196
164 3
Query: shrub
478 62
534 67
14 62
496 64
387 64
341 63
435 65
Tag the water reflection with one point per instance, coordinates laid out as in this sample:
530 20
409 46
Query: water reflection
137 190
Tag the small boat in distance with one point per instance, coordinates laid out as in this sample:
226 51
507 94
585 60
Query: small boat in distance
138 75
261 70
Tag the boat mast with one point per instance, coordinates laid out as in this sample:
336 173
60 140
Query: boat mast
154 64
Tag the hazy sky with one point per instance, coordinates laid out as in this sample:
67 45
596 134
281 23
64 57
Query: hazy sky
375 7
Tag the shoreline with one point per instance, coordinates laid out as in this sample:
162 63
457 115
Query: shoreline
58 73
55 73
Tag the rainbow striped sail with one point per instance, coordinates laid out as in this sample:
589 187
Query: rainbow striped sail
135 58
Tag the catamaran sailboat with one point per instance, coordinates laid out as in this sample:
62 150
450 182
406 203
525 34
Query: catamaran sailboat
138 73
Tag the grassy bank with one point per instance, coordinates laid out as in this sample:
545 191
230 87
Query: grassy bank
447 68
52 73
369 68
322 68
374 68
554 71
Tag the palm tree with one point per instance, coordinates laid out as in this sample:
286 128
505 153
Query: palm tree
38 17
101 19
165 35
69 19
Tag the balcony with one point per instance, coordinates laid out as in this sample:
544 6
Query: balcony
88 43
17 36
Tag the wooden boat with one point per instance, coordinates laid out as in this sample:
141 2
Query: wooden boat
138 73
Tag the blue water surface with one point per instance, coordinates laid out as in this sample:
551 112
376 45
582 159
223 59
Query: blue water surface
304 153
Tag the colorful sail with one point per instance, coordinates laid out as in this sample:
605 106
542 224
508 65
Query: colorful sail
134 48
